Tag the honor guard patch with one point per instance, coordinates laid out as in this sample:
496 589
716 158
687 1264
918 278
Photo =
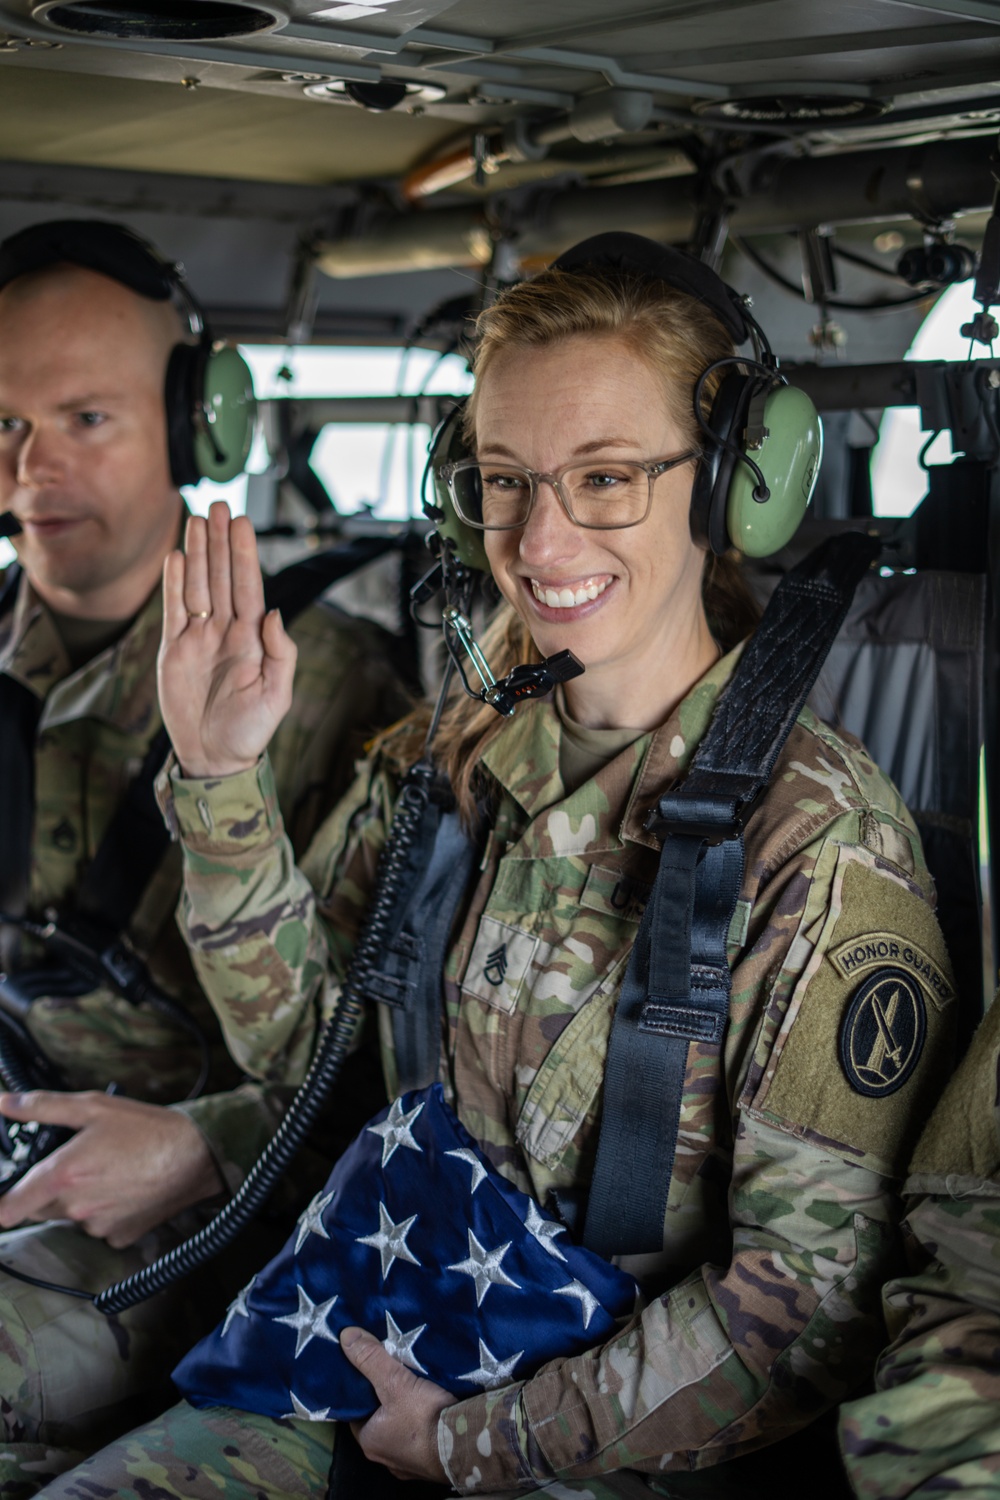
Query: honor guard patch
866 1040
883 1032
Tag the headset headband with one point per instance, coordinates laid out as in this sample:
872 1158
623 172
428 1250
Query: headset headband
99 245
635 255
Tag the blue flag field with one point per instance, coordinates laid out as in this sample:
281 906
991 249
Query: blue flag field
418 1239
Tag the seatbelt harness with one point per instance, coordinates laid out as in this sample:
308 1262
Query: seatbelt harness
677 983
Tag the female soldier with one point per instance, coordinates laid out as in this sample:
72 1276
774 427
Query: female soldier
780 1222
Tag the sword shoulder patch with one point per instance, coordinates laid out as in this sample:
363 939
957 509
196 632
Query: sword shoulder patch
883 1032
865 1043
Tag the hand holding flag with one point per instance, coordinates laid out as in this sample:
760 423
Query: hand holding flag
402 1432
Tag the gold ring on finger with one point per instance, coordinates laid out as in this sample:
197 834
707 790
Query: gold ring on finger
198 614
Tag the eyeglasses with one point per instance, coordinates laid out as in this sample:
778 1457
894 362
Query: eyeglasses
606 495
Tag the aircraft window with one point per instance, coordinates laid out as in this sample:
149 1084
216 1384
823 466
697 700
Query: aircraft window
898 482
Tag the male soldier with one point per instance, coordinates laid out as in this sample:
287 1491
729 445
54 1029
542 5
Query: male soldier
87 326
933 1426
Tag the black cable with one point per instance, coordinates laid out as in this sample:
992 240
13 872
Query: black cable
47 1286
761 490
773 274
164 1006
862 260
90 962
922 455
315 1090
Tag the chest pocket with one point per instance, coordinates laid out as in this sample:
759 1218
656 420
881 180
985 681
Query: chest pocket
564 1097
562 1103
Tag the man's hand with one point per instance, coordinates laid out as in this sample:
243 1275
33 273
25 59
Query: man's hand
129 1167
225 668
402 1434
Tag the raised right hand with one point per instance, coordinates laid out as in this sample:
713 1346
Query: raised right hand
225 668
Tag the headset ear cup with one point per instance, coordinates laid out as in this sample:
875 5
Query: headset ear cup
211 412
225 413
448 447
714 477
789 459
182 369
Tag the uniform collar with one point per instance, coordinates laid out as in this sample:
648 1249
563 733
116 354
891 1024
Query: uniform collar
524 759
117 686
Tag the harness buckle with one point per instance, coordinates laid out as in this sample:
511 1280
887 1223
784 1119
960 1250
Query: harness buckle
710 806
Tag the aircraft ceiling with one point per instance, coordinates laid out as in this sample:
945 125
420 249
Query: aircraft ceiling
482 133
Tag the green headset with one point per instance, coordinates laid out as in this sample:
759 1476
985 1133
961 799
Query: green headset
763 440
208 392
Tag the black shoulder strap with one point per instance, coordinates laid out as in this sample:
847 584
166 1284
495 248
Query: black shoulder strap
409 974
136 839
19 712
677 983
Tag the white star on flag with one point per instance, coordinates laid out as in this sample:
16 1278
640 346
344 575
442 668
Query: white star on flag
395 1130
238 1307
484 1268
492 1371
586 1299
472 1160
301 1413
309 1322
390 1241
400 1344
311 1221
544 1230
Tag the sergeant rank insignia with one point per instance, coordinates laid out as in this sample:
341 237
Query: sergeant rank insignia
882 1034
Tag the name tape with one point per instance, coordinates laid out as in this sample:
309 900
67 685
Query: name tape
856 957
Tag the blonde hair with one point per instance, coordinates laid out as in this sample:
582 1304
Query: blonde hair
677 336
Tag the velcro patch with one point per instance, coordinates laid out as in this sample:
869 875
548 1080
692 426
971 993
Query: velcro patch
883 1032
866 1041
500 959
877 949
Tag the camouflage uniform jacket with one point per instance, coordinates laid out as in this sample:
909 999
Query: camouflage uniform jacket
781 1222
933 1426
95 726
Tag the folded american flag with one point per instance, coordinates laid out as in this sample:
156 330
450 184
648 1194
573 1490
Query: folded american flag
416 1238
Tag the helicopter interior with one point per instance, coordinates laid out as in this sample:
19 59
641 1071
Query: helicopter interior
368 175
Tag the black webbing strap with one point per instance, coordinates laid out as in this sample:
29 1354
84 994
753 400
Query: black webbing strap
677 983
136 839
409 976
20 709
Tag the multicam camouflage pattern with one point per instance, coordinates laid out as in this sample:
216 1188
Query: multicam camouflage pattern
933 1426
198 1455
781 1218
96 725
95 728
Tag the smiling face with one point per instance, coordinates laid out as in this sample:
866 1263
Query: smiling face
83 450
627 602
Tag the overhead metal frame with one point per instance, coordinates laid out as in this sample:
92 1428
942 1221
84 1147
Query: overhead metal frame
435 49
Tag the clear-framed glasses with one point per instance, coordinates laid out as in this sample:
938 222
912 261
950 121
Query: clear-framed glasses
603 494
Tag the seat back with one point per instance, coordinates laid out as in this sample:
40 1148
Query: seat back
905 676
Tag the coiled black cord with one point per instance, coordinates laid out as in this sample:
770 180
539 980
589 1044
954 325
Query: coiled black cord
314 1091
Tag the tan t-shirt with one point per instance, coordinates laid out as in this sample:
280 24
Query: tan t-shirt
583 751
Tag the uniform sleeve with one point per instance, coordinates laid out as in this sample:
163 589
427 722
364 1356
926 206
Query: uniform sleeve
267 951
933 1424
236 1126
738 1354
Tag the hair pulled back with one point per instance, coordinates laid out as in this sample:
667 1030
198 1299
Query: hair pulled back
677 337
